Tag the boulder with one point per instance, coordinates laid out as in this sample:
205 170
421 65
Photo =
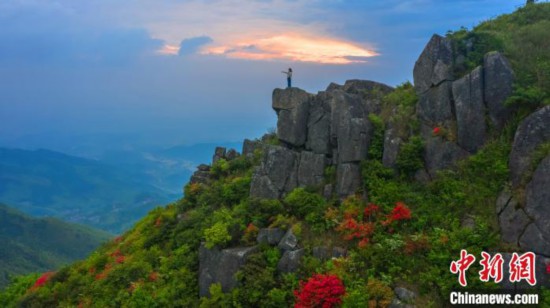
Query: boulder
537 198
327 191
435 105
350 128
290 261
202 175
249 147
512 221
434 65
533 240
502 200
276 174
404 294
318 125
498 80
311 169
440 154
348 179
363 87
219 153
220 266
292 107
325 253
289 241
392 143
470 110
532 132
271 236
231 154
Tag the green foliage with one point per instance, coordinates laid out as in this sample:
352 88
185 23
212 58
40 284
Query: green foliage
41 244
330 174
472 46
376 147
219 168
410 156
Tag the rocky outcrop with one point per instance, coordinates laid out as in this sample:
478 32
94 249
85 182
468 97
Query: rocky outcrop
512 220
470 111
392 143
202 175
289 241
498 78
276 173
532 132
435 105
220 266
250 146
537 205
325 253
270 236
290 261
292 107
434 64
348 179
219 153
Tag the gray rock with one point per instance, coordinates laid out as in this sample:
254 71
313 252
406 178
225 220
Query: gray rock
396 303
531 133
350 127
249 147
311 169
435 105
468 222
434 64
502 200
333 86
290 261
512 221
219 153
392 142
201 177
543 279
404 294
356 86
271 236
440 154
327 191
276 174
203 167
289 241
318 126
231 154
533 240
498 81
292 107
326 253
348 179
217 266
537 197
470 110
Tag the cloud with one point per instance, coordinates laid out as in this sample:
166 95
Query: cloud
190 46
295 47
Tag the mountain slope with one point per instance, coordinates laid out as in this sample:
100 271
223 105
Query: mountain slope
41 244
47 183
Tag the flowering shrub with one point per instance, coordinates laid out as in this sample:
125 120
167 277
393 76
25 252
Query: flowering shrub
400 212
323 291
361 227
548 269
250 233
42 280
436 131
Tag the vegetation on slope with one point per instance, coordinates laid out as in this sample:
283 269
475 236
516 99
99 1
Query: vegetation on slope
407 234
37 245
46 183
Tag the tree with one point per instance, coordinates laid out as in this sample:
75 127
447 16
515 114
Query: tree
530 2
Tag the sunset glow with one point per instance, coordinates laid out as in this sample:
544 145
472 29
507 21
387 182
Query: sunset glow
287 47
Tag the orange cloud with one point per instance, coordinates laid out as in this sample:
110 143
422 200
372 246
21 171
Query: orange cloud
295 48
169 50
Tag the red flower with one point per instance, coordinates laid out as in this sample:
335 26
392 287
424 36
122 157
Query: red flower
325 291
153 276
42 279
120 259
548 268
436 131
400 212
371 209
158 222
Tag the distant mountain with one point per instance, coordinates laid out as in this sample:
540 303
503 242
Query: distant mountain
41 244
47 183
168 169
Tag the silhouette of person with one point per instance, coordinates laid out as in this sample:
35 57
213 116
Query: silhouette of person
288 77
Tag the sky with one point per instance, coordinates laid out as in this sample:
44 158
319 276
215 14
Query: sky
77 74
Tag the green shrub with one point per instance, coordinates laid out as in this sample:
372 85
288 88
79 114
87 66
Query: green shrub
219 168
376 147
410 156
216 235
300 203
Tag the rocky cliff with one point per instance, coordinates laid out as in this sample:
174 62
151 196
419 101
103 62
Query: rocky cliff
456 116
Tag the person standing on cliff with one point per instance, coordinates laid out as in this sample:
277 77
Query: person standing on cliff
288 77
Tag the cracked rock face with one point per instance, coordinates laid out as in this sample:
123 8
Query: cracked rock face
532 132
498 79
434 64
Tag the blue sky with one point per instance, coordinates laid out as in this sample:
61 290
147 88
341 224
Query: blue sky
161 73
